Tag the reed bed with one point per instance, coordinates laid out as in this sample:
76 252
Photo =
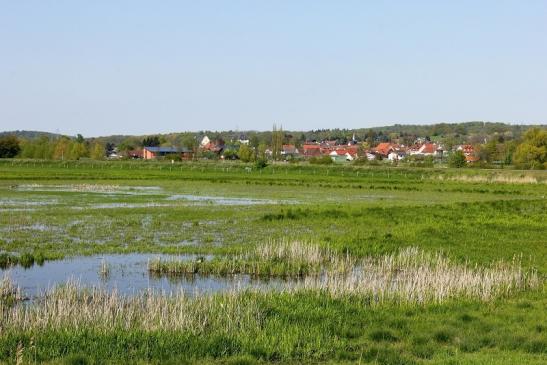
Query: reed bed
415 276
494 179
73 306
410 276
9 292
285 259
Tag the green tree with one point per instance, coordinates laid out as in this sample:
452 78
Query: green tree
127 145
43 148
246 153
78 150
532 152
277 142
457 159
261 151
61 151
152 141
254 141
9 146
98 151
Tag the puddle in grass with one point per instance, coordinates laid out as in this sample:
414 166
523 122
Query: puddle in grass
91 188
128 274
220 200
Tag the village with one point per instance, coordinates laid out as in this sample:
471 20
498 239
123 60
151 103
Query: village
338 152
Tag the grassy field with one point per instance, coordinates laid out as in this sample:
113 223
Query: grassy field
458 261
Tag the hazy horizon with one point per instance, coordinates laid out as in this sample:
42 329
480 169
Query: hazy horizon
136 68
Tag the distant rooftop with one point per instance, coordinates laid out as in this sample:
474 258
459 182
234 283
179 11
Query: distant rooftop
167 149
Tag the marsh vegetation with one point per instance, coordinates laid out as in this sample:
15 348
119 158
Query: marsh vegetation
302 263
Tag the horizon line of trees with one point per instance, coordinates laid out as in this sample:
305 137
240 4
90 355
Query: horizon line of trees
529 151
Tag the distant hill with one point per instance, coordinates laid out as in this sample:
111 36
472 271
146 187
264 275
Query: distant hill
30 134
476 131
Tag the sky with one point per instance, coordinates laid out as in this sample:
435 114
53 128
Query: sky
140 67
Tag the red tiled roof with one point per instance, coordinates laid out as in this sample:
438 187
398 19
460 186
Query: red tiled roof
383 148
467 149
430 148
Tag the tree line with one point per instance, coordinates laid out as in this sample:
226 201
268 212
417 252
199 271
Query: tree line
528 149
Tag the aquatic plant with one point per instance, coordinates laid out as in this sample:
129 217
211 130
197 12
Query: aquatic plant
9 292
283 259
104 269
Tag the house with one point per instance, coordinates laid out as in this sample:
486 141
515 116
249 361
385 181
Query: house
135 154
216 146
204 141
340 154
150 153
384 149
467 149
396 155
289 150
427 149
311 150
469 153
243 139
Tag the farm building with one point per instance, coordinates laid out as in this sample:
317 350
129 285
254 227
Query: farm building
150 153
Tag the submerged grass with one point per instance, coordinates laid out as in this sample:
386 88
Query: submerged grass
285 259
409 275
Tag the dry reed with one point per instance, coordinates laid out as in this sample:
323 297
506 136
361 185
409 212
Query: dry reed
493 179
287 259
409 276
415 276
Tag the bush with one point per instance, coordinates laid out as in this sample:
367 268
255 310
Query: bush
323 160
457 160
261 163
9 146
173 157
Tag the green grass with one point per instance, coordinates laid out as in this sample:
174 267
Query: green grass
316 328
474 217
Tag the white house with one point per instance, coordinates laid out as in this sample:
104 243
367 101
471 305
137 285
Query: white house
205 141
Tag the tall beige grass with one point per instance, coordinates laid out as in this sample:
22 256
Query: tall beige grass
9 292
71 306
415 276
493 179
409 276
285 258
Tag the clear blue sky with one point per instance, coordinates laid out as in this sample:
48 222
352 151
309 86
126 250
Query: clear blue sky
134 67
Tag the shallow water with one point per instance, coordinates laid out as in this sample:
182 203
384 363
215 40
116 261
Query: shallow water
220 200
91 188
128 274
